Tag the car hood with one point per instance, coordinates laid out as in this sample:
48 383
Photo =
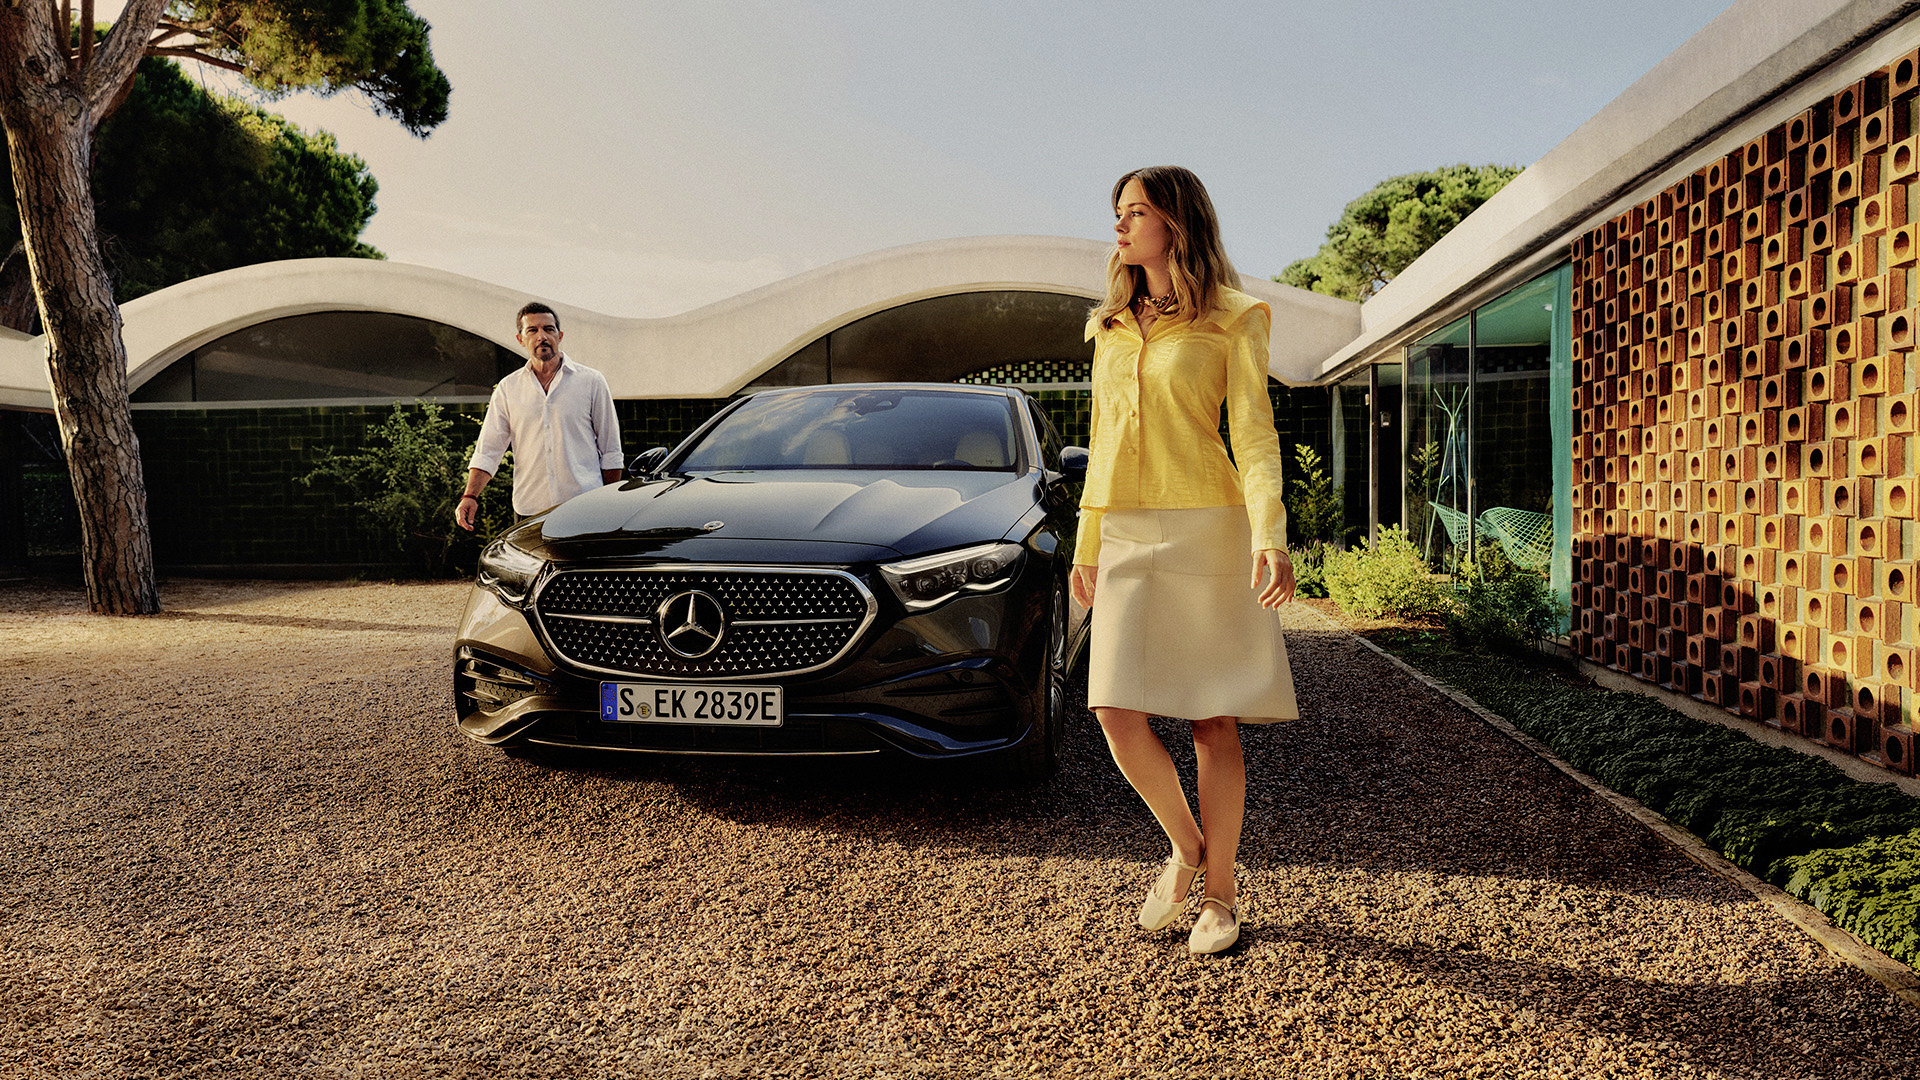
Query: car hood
905 512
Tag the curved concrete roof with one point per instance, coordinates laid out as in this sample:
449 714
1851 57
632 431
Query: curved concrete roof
708 352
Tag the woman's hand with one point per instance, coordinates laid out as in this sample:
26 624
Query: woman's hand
1081 581
1278 566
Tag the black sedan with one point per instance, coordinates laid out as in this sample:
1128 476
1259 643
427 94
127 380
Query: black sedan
851 569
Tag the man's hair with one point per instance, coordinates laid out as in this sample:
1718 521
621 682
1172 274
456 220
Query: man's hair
534 307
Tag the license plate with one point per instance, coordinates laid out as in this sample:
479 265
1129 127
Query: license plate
683 703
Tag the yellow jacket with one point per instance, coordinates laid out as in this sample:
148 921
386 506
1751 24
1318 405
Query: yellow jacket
1156 420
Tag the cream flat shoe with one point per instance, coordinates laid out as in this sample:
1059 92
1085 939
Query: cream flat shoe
1157 913
1201 943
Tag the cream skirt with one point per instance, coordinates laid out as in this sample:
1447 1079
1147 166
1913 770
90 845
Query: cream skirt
1176 630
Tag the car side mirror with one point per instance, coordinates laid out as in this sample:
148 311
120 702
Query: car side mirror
1073 462
642 467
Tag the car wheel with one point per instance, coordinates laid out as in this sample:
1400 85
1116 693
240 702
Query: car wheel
1033 760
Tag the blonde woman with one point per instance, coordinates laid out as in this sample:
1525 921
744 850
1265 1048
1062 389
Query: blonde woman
1167 525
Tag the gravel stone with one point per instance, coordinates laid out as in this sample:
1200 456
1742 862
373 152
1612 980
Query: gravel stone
243 840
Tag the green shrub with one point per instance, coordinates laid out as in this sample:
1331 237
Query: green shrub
1315 510
1502 607
1310 570
406 481
1385 579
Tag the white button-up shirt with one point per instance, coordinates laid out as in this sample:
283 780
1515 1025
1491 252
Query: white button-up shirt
561 436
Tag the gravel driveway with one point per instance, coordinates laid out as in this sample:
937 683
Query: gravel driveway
243 840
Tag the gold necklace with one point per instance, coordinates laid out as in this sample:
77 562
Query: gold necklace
1165 305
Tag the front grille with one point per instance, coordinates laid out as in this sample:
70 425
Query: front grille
778 622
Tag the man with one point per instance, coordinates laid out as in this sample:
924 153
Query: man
555 415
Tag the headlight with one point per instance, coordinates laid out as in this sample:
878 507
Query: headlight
932 580
508 571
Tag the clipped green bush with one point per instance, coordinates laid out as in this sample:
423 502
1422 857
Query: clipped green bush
405 483
1385 579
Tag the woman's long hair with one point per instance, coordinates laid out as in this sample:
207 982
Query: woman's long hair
1196 258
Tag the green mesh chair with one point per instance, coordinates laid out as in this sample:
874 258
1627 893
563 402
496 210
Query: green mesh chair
1526 536
1453 521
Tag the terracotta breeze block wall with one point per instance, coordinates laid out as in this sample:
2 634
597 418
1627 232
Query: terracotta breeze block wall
1745 416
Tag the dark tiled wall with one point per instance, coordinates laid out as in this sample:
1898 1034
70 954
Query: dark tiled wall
223 485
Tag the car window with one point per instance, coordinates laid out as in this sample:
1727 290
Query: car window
1050 444
863 428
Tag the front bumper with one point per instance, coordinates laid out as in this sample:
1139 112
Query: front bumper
957 681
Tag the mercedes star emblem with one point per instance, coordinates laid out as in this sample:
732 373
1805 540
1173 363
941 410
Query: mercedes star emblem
692 624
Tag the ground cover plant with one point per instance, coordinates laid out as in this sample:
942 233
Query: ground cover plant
1849 848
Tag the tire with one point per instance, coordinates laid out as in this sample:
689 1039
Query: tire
1033 761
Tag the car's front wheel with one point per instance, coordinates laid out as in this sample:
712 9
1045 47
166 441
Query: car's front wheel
1033 760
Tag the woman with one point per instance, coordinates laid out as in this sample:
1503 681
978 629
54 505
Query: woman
1167 520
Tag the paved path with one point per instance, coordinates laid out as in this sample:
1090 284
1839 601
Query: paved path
242 841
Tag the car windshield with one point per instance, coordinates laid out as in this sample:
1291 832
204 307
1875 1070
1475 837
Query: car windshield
861 429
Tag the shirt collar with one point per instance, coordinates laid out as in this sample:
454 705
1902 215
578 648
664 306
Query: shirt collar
557 372
1233 304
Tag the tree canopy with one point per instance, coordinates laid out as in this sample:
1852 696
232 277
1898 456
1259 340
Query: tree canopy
187 182
1381 232
378 47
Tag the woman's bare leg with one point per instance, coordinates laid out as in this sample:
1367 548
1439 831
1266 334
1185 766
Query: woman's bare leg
1144 761
1223 806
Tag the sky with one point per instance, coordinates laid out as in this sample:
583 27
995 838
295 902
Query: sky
647 157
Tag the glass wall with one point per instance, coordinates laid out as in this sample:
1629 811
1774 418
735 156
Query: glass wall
1521 421
1438 450
1389 478
1488 430
1351 464
335 356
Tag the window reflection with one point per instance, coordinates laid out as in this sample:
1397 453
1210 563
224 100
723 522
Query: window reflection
1439 386
1489 421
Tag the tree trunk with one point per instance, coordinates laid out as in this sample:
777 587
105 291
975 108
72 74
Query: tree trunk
18 309
49 131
